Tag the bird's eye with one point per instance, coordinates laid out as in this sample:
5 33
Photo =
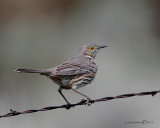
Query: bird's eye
91 48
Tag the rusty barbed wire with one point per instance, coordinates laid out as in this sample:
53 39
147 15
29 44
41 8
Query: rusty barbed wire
82 102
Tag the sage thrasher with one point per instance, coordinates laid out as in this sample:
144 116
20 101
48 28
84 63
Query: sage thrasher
74 73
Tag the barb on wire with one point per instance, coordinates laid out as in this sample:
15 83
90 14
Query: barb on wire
82 102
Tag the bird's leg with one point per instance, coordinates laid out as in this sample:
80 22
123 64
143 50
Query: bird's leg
60 91
88 99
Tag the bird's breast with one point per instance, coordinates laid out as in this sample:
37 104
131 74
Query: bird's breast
82 80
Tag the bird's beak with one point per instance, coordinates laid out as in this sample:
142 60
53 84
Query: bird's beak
102 46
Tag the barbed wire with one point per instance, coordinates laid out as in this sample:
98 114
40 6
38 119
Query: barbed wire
82 102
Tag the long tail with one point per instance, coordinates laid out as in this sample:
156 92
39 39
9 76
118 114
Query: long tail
41 71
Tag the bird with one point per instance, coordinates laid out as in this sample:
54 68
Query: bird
74 73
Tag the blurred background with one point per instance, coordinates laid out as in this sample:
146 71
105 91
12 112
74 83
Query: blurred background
44 33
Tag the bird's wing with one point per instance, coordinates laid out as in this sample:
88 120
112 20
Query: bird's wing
71 68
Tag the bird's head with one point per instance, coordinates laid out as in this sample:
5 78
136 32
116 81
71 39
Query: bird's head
91 50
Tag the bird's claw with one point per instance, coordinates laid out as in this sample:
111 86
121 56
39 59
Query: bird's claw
68 106
89 102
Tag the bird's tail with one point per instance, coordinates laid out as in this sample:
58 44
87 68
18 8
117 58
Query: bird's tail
41 71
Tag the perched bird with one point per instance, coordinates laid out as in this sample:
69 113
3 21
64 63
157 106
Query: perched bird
74 73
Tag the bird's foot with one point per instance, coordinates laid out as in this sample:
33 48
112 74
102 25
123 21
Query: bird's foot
89 102
68 106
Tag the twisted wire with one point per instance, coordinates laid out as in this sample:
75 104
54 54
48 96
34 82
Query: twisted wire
82 102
